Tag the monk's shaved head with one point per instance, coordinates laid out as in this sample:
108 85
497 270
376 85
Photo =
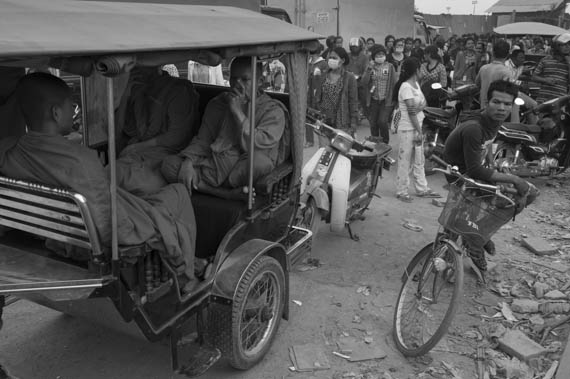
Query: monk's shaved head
240 64
37 94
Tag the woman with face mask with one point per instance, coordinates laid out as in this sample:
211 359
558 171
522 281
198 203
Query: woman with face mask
397 56
338 97
411 160
432 71
379 81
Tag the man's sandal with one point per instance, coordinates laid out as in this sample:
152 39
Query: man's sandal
429 193
406 198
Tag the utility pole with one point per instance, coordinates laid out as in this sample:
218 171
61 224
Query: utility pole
474 2
337 9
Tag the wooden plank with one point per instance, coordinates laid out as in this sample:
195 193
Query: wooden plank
42 211
46 233
39 199
15 216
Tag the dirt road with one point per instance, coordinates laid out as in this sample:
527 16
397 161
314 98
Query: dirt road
39 343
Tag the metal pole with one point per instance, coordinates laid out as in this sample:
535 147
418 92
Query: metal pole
113 173
337 9
251 115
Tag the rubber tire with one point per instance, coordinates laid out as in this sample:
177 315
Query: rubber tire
223 321
503 146
450 314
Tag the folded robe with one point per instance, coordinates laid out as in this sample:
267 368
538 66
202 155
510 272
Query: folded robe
164 221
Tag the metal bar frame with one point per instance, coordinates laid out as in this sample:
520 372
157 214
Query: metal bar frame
251 116
113 178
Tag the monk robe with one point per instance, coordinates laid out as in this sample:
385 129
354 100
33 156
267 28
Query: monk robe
164 221
164 108
219 151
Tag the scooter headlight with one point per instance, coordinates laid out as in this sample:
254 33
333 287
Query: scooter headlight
342 143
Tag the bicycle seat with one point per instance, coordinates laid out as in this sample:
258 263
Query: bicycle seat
532 129
439 112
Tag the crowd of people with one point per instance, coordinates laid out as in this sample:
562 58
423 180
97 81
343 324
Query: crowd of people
390 84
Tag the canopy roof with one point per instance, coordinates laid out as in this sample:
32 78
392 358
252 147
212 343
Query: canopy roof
524 6
72 28
535 28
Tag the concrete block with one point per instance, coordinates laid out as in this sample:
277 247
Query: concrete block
555 295
517 344
539 246
524 306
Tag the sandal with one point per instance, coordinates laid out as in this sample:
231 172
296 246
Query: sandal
406 198
429 193
412 227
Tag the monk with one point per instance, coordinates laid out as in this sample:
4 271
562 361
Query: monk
217 156
164 221
156 117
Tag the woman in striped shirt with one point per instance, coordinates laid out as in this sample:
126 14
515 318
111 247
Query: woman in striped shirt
432 71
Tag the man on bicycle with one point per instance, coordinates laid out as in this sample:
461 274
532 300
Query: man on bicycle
467 146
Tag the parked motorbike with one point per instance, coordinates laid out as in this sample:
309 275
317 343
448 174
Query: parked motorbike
440 122
536 150
339 181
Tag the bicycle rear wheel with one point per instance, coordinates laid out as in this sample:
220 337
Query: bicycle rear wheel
429 297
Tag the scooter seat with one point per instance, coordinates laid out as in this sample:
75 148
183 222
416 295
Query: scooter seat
439 112
532 129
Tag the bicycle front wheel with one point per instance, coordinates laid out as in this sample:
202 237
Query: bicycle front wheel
429 297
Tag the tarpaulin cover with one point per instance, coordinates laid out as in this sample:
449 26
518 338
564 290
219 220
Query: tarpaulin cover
65 27
535 28
524 6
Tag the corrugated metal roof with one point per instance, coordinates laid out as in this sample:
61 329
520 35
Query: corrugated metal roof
64 27
524 6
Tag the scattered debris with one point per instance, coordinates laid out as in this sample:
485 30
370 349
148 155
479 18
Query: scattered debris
308 358
340 355
539 246
297 302
517 344
507 312
551 371
555 295
368 340
525 306
412 227
540 289
310 264
365 290
558 307
358 351
356 319
438 202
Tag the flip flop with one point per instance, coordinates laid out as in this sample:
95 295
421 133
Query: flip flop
412 227
406 198
429 194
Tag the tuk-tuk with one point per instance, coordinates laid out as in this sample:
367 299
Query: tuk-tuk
251 244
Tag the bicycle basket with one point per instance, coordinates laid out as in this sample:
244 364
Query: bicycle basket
474 215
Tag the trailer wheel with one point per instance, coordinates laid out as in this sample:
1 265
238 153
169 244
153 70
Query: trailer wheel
244 332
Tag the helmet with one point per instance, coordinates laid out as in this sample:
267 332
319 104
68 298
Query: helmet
561 39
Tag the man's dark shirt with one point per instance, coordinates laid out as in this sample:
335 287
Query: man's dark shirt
466 146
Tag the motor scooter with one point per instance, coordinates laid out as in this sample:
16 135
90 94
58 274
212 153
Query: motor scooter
536 150
339 181
440 122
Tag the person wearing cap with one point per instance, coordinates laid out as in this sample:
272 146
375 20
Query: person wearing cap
358 64
552 72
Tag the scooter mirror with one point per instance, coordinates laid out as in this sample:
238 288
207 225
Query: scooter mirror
436 86
519 101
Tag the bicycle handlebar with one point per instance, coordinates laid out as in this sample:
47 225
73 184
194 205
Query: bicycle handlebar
454 171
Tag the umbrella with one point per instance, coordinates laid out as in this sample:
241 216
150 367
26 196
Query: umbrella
535 28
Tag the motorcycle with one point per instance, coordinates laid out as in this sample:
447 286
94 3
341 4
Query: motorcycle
440 122
536 150
339 181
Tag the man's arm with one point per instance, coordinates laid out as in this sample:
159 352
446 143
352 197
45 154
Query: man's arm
538 73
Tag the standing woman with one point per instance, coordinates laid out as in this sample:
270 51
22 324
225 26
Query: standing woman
432 71
397 56
411 151
379 81
389 43
466 64
338 98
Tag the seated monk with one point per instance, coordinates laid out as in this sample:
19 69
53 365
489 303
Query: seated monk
164 221
217 156
155 118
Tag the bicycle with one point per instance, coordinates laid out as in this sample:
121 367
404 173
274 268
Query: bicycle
433 280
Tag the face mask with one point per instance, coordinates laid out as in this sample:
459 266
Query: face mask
399 49
380 60
333 63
